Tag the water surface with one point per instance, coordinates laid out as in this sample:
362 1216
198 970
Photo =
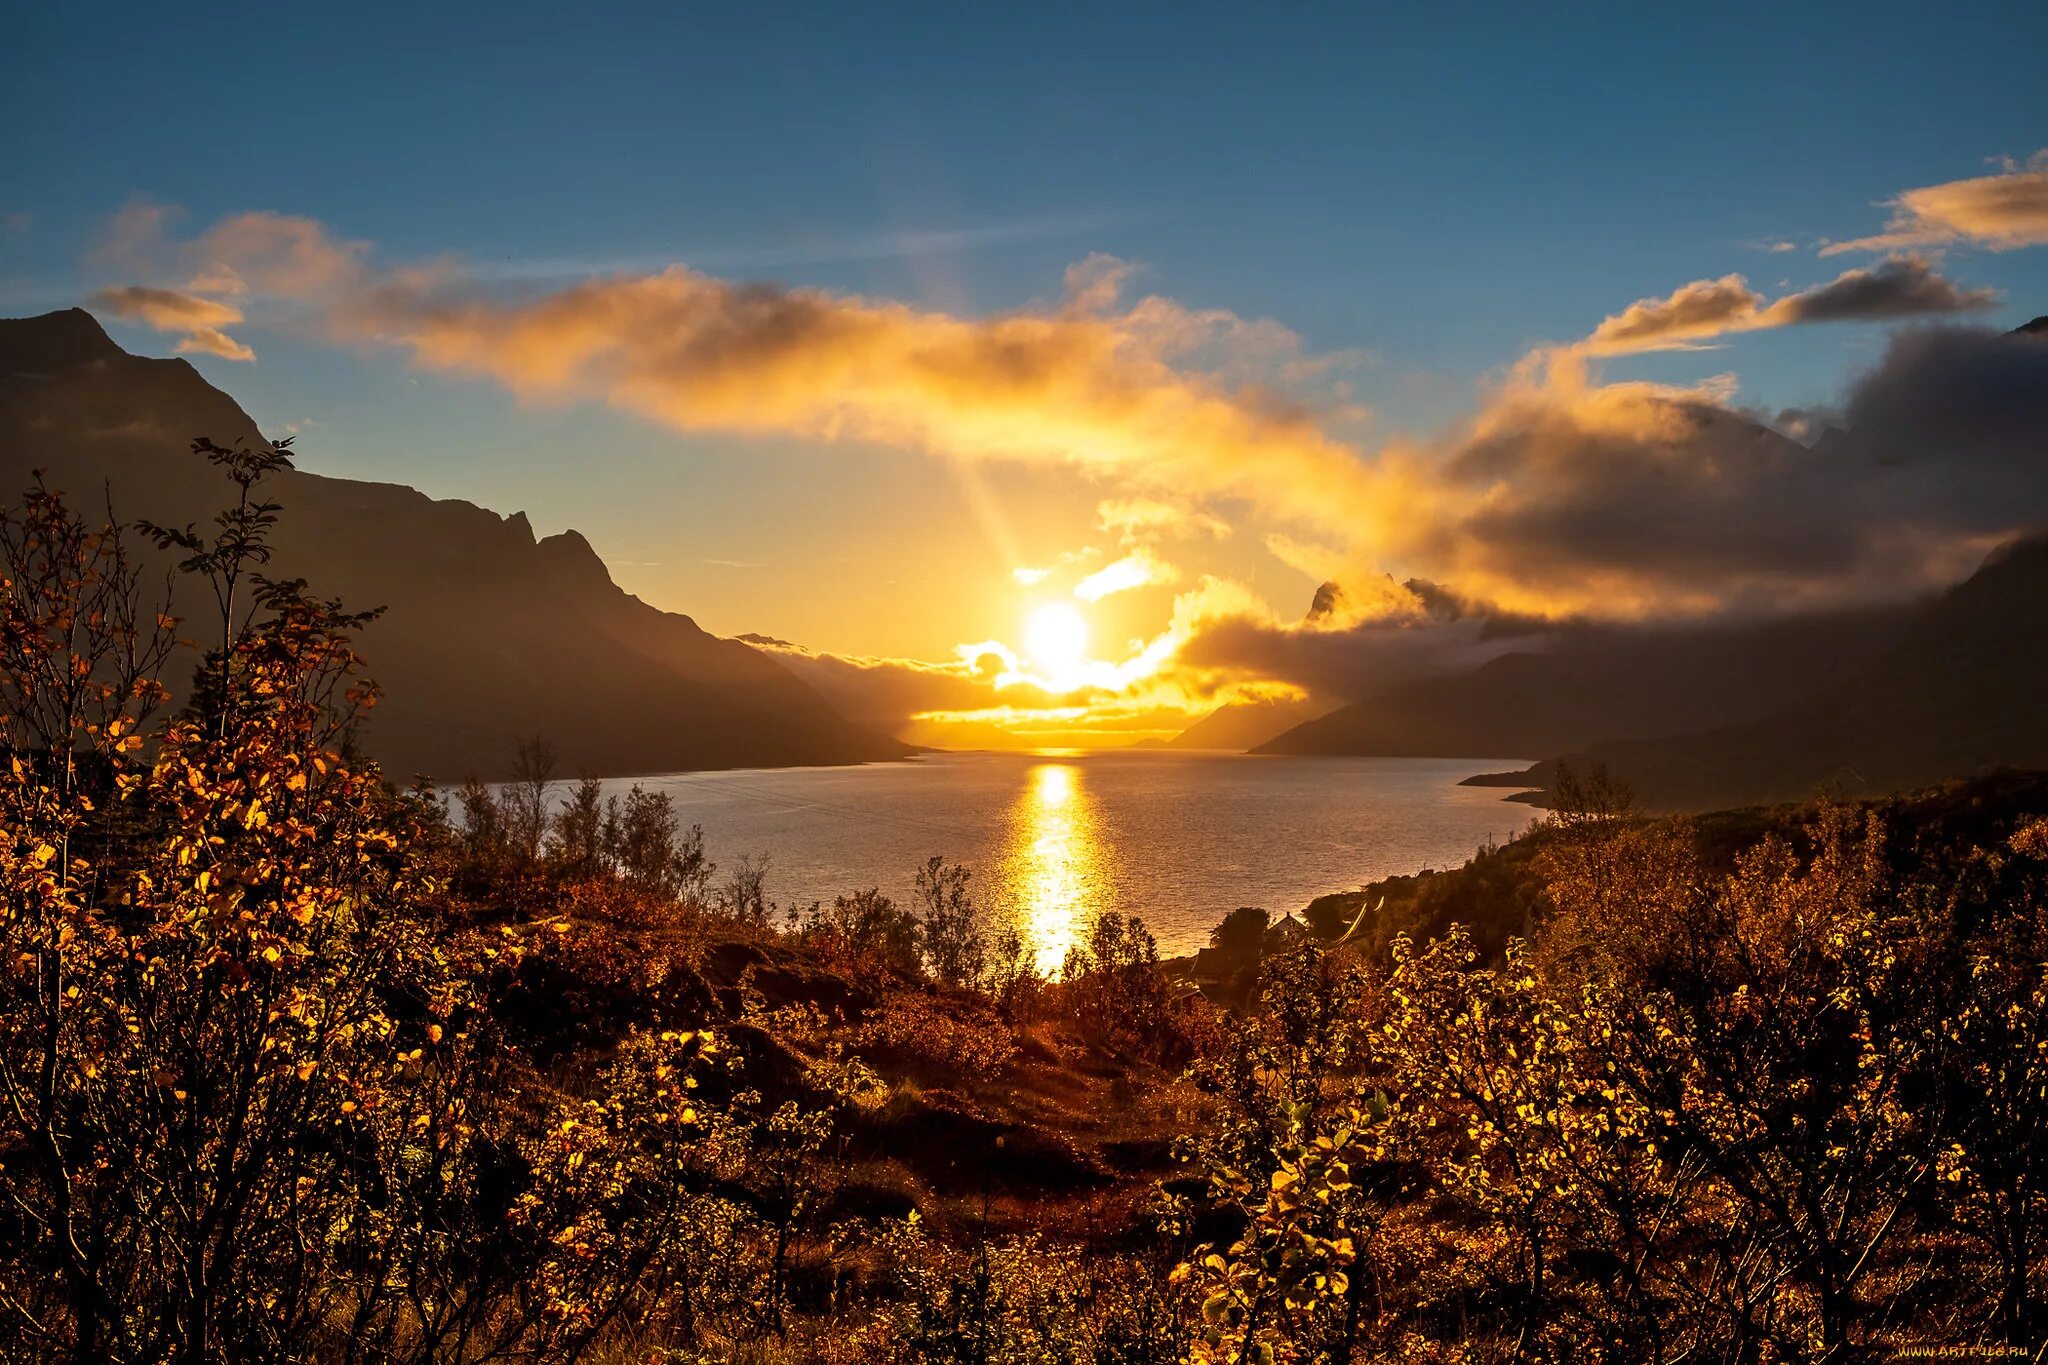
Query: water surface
1177 838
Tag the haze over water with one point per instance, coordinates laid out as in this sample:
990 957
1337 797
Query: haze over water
1179 839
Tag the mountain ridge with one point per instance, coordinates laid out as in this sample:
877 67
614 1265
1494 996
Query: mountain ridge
1578 684
1957 696
490 632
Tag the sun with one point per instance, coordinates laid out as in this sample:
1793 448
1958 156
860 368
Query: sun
1056 640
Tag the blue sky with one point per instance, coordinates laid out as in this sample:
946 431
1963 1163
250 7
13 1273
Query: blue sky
1443 186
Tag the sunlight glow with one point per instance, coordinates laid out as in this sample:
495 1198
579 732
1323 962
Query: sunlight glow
1054 864
1056 641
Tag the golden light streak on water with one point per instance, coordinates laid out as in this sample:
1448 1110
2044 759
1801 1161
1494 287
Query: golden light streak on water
1054 865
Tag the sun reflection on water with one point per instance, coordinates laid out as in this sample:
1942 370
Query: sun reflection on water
1053 869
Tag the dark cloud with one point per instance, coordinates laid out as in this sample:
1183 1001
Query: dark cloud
1957 419
1695 314
1633 500
1904 286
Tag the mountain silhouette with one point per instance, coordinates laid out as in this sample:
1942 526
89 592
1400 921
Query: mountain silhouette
1959 694
489 634
1589 683
1245 725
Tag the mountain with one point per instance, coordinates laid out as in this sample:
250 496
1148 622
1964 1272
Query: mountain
1244 725
1959 694
489 634
1594 683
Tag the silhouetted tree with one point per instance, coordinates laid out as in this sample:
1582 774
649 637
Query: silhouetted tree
949 931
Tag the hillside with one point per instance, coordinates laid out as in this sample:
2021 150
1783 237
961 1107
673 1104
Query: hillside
1499 893
1245 725
1599 683
490 634
1959 694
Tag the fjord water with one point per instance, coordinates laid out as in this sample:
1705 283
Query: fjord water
1179 839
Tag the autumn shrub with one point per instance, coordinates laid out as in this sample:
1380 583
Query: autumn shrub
1782 1112
524 854
916 1027
1012 980
863 929
256 1106
949 932
1277 1066
1111 986
1017 1301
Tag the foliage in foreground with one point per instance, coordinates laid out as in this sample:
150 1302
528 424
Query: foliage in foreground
294 1069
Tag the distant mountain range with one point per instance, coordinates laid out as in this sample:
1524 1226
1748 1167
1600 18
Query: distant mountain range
1245 725
1587 683
1960 693
490 635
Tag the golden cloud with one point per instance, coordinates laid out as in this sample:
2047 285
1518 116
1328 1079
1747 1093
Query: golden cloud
1997 211
1156 396
1564 495
1687 315
1138 569
1139 519
198 319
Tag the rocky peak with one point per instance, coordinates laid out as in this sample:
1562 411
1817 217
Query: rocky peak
1329 600
52 342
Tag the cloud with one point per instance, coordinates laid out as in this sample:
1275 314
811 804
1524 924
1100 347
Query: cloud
1562 496
891 694
1903 286
2000 212
1962 410
1571 497
1240 650
198 319
1704 308
1221 645
1696 313
1176 406
1095 284
1154 395
1138 569
137 238
705 355
264 253
280 254
1138 520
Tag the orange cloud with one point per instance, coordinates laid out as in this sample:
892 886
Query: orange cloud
1092 392
1155 395
1563 495
1996 211
1567 496
167 310
1687 315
